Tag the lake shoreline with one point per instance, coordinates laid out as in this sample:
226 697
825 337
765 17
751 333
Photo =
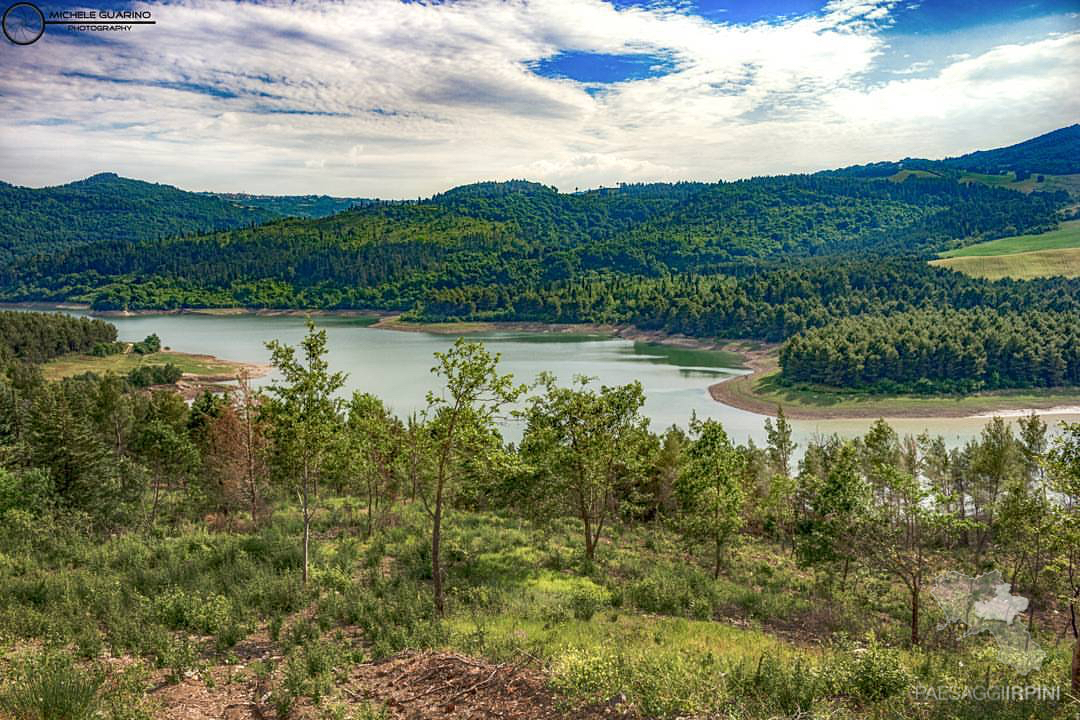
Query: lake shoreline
201 371
391 320
742 392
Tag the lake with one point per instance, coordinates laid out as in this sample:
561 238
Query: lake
396 366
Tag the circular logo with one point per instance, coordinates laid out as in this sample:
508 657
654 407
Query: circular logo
23 23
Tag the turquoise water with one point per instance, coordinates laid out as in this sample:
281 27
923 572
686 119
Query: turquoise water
396 366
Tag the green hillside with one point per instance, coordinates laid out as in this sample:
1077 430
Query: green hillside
766 258
1066 236
309 206
1056 153
107 207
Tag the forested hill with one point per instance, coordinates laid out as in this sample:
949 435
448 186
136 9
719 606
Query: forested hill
309 206
517 249
109 207
765 258
1056 152
525 235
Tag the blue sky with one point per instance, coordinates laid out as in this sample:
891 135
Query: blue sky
398 99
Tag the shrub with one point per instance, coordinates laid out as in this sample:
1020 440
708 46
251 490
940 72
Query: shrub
50 686
586 600
868 674
671 591
772 685
151 344
180 611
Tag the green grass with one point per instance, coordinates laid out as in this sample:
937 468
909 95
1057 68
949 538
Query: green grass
1021 257
1066 236
123 363
905 174
1064 262
1005 180
1068 183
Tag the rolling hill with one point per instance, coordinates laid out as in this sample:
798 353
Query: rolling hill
1055 156
1055 153
763 258
107 207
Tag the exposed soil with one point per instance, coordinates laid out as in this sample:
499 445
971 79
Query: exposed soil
410 686
625 332
415 686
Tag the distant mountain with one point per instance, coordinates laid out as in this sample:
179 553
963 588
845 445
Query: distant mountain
107 207
309 206
1055 153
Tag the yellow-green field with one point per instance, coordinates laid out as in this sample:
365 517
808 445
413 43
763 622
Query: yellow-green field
1019 266
202 366
905 174
1021 257
1066 236
1068 183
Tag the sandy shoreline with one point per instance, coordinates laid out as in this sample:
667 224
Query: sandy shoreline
738 392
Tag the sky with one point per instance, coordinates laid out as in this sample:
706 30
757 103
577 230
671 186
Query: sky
393 99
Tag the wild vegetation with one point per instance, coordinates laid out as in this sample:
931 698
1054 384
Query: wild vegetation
271 545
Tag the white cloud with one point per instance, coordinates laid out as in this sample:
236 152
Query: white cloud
390 99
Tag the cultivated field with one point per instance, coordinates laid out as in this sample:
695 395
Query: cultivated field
1020 257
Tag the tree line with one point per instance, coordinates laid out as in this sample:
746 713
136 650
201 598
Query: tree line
37 337
938 350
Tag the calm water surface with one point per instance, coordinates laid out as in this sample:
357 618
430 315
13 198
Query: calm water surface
396 366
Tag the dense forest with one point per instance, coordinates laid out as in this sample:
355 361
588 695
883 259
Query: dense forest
106 207
37 337
927 350
764 258
279 549
309 206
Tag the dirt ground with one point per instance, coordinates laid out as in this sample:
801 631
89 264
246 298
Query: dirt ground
408 686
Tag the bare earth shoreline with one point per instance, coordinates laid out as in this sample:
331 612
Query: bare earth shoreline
739 392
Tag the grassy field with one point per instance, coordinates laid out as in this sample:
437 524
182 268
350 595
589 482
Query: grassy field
201 366
905 174
1066 236
761 392
1021 257
1068 183
1019 266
